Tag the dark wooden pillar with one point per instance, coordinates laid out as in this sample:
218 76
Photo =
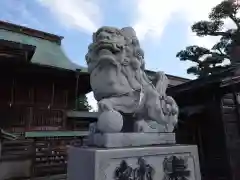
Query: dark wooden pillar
12 93
236 103
53 94
76 89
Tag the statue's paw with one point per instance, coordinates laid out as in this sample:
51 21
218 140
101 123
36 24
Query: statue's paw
172 123
148 126
170 128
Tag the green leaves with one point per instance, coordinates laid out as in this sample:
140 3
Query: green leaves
193 53
203 71
224 10
210 61
203 28
83 104
201 55
195 70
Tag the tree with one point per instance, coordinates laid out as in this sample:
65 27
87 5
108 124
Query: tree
210 61
83 104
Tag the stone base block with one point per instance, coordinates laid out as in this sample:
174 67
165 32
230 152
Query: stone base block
148 163
130 139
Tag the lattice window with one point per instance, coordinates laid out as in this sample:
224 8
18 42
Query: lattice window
47 119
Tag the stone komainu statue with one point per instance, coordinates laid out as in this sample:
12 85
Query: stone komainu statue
116 65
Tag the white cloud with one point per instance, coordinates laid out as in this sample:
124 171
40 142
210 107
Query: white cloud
152 16
82 15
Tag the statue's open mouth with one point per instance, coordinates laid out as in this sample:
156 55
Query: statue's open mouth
107 48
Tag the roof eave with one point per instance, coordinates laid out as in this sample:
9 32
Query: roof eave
31 32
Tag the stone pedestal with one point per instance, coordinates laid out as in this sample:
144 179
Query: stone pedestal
113 140
151 162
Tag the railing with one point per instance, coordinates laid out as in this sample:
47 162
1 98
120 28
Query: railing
46 117
43 152
51 155
21 119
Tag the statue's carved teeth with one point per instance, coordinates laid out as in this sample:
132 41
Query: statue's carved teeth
109 47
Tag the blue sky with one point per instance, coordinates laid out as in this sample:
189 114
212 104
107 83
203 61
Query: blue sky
162 26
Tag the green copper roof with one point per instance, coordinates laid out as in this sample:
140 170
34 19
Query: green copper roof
47 53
